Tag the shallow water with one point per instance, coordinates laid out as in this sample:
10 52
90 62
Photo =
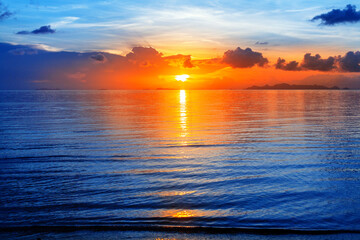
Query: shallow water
235 159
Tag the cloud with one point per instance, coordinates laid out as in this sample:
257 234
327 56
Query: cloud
291 66
145 57
64 21
179 60
350 62
335 16
4 12
240 58
41 30
99 57
187 63
261 43
317 63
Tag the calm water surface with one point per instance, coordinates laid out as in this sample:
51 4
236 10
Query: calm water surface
240 159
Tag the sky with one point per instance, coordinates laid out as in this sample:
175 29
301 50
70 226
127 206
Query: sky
146 44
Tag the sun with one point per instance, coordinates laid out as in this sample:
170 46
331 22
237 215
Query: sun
182 77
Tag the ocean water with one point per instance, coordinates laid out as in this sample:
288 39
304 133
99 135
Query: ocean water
215 159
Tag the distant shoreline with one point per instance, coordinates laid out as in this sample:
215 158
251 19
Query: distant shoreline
285 86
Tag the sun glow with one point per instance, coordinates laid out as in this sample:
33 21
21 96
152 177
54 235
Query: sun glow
182 77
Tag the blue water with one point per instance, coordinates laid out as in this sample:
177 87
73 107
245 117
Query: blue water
233 159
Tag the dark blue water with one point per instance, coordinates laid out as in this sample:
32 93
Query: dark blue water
234 159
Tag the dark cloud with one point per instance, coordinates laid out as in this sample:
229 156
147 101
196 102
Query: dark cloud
240 58
30 67
335 16
99 57
4 12
291 66
317 63
261 43
41 30
350 62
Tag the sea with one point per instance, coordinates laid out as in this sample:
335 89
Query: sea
258 161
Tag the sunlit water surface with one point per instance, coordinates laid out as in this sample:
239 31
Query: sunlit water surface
239 159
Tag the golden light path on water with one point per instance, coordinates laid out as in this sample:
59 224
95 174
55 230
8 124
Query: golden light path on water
183 116
183 134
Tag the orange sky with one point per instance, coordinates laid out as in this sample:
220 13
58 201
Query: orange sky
146 68
29 67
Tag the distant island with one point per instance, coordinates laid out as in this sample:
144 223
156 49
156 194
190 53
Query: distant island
285 86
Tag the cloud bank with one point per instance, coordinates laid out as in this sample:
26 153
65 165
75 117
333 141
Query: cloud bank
336 16
29 67
347 63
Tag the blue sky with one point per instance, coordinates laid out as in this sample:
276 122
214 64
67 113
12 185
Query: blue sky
199 28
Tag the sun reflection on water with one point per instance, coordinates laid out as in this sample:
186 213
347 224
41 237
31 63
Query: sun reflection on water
183 115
